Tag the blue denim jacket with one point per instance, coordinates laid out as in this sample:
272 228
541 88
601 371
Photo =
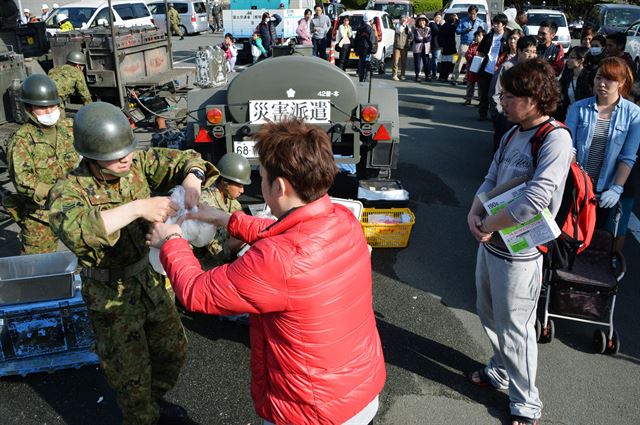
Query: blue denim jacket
467 37
624 136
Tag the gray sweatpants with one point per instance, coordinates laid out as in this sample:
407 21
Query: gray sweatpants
507 294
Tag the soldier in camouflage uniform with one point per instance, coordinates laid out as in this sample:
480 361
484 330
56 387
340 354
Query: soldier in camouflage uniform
101 211
69 78
38 154
174 21
235 172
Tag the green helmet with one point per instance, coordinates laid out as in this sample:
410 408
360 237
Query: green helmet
76 57
235 167
39 90
102 132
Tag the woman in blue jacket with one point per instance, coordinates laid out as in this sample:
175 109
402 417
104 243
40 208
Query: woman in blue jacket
606 135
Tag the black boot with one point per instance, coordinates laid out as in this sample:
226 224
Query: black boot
172 414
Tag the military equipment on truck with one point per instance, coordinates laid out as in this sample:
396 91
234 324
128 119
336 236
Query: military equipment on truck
11 68
143 69
362 121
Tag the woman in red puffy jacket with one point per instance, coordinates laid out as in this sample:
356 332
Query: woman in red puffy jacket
316 356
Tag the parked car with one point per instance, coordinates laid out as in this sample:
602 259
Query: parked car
395 9
384 28
633 45
86 14
612 17
193 15
538 16
463 13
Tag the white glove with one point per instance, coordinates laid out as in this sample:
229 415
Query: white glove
610 197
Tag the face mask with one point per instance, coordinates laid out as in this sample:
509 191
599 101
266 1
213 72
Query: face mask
49 120
595 50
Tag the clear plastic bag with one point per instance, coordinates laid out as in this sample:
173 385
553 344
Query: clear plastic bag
196 232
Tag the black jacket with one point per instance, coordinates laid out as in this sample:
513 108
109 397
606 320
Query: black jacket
365 41
435 30
485 47
447 39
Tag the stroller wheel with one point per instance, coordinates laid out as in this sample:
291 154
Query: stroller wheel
613 345
538 326
551 331
599 341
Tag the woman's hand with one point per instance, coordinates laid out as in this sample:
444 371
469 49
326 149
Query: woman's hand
159 232
210 215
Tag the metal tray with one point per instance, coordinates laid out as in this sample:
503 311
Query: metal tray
38 277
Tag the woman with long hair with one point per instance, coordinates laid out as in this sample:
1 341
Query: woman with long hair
606 135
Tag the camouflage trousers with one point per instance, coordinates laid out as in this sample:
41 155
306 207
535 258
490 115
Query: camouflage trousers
141 356
36 236
175 30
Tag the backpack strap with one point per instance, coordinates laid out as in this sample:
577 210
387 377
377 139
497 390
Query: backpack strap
541 134
507 138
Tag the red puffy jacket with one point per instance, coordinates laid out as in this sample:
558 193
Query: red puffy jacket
316 356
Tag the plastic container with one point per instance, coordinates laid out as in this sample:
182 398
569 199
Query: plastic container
387 235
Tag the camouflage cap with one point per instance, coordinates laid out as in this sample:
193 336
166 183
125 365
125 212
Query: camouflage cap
102 132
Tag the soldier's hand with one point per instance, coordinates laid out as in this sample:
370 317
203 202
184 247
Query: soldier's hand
158 233
158 209
192 188
210 215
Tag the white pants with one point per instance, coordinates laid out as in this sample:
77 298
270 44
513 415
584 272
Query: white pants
462 50
508 293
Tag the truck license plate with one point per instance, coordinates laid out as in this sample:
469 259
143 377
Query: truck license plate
313 111
245 148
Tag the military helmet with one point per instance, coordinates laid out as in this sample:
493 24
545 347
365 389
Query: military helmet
235 167
102 132
77 57
39 90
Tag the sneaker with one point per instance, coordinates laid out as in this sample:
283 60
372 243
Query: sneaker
402 78
395 78
467 102
417 79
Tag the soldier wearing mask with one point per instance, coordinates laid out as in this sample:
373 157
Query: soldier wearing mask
38 154
174 21
235 173
69 78
101 211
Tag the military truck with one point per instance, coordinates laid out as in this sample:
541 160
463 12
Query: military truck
140 77
362 120
11 68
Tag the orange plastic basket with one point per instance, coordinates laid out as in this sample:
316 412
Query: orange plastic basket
387 235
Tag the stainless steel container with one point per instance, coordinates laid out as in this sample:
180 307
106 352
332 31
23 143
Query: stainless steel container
38 277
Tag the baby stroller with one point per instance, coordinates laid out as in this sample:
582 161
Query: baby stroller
586 291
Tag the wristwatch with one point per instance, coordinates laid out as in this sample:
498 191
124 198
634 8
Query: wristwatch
198 173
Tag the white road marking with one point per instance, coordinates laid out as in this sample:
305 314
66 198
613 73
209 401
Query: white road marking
184 60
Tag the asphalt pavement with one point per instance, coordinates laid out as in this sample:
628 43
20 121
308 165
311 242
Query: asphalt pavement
424 299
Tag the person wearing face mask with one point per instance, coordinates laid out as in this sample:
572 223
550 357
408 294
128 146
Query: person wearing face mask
38 154
102 211
584 84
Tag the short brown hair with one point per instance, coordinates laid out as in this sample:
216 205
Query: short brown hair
536 79
300 153
616 69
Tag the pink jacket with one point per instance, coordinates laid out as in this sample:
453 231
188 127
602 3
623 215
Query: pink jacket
316 356
302 31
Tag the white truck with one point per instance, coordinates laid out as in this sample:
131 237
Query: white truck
243 17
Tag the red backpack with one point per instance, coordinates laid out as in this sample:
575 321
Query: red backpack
576 217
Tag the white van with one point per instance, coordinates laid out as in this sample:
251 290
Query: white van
384 28
86 14
537 16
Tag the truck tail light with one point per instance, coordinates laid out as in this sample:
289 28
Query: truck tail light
214 116
369 113
203 136
193 16
382 134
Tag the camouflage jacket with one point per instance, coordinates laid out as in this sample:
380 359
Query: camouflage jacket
214 198
37 156
70 80
75 206
174 16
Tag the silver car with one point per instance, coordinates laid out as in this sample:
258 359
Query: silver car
193 15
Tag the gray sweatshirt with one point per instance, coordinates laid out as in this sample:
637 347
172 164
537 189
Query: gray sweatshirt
546 184
321 24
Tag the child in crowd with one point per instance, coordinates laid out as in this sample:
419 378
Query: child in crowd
257 50
230 51
472 77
